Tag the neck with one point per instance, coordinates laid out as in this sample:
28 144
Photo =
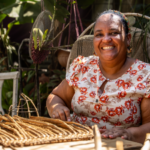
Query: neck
112 69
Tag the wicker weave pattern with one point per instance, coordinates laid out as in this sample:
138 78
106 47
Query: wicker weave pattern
17 131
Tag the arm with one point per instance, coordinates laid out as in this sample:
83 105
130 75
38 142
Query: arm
59 101
136 134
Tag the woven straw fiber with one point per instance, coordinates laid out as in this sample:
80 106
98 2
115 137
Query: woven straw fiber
83 46
18 131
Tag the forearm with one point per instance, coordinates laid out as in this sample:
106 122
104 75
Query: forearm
53 101
138 134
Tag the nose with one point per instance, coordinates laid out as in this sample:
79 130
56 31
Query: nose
106 38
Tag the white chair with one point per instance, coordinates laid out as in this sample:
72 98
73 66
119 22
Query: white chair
14 76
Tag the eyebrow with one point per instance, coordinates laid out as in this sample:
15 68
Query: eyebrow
112 29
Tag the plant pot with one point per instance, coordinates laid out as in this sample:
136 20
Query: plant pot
62 56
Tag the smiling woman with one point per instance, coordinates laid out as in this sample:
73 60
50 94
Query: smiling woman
108 89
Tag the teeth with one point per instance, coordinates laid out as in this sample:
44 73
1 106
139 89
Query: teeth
108 47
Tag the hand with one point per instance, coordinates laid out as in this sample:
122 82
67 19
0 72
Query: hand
60 112
116 132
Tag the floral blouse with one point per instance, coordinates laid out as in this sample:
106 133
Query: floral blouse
118 104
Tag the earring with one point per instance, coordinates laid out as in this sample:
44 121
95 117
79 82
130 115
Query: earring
94 53
129 49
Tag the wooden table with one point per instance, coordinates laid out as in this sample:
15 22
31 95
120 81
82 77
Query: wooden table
107 144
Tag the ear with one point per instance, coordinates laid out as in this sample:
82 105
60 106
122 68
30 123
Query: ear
128 39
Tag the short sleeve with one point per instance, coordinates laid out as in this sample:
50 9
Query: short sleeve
147 94
73 71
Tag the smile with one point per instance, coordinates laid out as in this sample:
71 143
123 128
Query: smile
107 47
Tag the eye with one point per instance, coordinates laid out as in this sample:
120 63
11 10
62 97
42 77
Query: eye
114 33
98 35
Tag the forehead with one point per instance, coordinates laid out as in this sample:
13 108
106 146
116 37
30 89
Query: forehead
108 20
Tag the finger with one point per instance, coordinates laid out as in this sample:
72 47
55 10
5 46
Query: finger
124 137
62 115
115 135
56 115
105 135
102 130
67 113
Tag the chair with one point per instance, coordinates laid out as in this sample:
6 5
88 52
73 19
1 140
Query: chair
84 44
14 76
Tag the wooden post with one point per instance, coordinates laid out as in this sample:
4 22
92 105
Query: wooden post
97 138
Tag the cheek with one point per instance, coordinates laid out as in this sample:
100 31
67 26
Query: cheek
96 42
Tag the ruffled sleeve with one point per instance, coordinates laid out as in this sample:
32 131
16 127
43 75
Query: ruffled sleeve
73 71
147 94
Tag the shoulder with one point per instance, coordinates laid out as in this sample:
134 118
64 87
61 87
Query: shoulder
142 66
86 60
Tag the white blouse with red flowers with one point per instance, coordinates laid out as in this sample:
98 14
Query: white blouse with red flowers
118 105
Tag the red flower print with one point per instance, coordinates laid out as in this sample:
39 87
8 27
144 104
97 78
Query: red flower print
77 120
93 62
72 74
84 79
98 107
111 112
104 99
128 70
74 84
129 119
92 94
126 85
104 118
95 120
119 110
103 127
121 94
128 104
134 110
140 77
75 79
133 72
118 124
101 78
83 119
83 90
141 66
139 101
74 67
148 96
119 83
140 86
95 70
81 99
85 69
93 79
93 113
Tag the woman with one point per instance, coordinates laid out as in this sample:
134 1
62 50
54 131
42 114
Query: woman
109 89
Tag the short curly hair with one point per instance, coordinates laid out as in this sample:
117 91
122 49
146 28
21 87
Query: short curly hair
122 17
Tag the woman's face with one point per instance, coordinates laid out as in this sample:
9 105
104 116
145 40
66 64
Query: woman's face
110 41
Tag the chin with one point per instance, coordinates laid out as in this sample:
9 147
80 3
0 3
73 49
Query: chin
108 57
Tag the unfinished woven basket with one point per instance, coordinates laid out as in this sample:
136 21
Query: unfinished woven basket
17 131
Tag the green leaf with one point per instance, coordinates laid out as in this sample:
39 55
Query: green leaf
2 59
2 17
29 87
6 3
30 75
9 94
45 34
74 2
